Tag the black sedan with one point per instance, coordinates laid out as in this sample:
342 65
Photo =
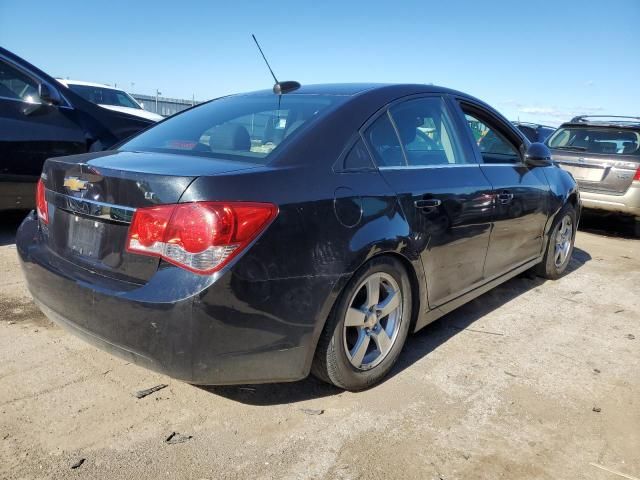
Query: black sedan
40 118
264 236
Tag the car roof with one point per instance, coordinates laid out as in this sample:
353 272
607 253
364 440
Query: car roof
607 121
531 124
352 89
66 82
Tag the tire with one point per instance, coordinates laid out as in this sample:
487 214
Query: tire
359 343
558 255
636 227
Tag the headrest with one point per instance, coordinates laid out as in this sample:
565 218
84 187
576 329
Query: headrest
230 136
383 134
407 125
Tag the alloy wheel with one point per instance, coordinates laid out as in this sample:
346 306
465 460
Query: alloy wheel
372 321
563 241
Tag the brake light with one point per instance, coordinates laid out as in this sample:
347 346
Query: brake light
636 177
41 202
201 236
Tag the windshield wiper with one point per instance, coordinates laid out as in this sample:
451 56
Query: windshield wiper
571 147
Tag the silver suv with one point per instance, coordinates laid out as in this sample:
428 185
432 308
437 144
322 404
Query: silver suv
603 155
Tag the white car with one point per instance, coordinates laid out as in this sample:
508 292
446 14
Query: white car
109 97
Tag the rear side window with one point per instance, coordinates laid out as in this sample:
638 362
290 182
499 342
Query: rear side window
383 139
426 133
608 141
358 157
16 85
414 133
245 128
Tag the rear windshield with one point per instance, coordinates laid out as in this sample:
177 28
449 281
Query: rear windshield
246 128
609 141
104 96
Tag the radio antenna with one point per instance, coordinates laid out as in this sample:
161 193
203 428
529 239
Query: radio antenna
280 87
265 58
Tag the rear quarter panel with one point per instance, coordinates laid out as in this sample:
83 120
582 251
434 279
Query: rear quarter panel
563 187
283 288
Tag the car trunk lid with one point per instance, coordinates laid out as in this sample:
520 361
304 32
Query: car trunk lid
92 199
611 174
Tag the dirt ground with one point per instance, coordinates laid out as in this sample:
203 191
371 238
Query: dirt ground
532 380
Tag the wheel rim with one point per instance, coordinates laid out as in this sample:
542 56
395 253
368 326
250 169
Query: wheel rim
372 321
563 241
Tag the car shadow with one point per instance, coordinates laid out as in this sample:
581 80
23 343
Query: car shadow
607 225
417 347
440 331
9 223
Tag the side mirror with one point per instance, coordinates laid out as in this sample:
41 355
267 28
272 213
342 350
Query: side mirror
538 155
49 95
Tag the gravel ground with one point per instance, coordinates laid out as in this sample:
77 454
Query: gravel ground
532 380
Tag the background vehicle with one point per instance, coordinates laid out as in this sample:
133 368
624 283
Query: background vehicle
534 131
257 237
110 98
40 118
603 155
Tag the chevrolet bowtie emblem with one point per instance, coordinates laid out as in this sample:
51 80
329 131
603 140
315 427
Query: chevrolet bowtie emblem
75 184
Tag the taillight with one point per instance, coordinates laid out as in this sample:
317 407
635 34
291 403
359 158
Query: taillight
636 177
202 236
41 202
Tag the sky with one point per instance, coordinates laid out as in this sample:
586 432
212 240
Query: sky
538 60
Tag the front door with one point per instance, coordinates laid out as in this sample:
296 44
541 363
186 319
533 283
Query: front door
443 193
521 193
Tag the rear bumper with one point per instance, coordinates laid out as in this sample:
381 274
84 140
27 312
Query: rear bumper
201 330
628 204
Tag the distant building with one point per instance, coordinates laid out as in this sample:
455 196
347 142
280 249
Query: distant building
166 106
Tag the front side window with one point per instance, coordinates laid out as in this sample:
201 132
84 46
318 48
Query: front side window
609 141
16 85
244 127
493 146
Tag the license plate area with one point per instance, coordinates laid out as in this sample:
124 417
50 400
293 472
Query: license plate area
85 237
588 174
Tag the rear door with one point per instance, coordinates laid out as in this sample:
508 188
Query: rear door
521 193
442 191
601 159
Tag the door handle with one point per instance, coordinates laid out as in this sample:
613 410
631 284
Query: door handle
427 204
505 197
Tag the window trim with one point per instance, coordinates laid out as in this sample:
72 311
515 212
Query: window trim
465 151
